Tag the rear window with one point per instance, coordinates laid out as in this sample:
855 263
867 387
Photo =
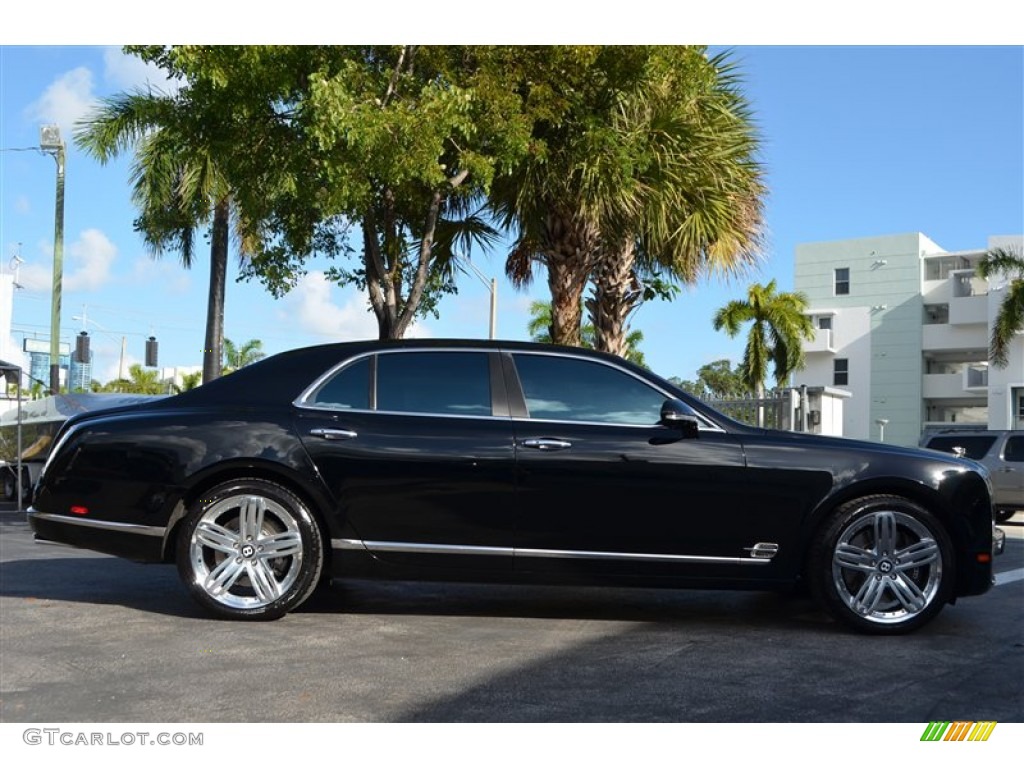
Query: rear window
975 446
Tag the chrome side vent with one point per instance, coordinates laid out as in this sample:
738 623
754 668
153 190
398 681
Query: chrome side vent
763 550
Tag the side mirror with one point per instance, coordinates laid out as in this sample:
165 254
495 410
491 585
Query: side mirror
676 415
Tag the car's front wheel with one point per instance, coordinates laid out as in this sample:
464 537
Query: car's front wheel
883 565
1003 514
250 549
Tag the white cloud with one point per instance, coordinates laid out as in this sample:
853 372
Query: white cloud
66 100
90 258
86 267
130 73
35 277
22 205
311 304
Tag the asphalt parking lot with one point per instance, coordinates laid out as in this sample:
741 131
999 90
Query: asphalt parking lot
89 638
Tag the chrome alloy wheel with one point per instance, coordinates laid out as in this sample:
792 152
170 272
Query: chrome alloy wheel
246 551
887 567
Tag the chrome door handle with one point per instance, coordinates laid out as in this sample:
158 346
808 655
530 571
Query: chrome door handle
546 444
333 434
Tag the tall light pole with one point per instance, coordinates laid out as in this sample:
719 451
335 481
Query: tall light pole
51 143
492 285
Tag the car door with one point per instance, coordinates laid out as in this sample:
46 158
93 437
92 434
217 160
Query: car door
1008 472
603 488
416 448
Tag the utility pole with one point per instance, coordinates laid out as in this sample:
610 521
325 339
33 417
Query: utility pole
51 143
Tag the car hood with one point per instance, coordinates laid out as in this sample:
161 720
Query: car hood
868 446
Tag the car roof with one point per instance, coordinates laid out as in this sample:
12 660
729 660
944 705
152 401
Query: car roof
280 378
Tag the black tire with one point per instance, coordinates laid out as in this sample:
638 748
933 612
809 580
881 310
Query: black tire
250 549
882 565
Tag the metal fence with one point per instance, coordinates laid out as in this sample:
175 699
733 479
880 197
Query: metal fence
772 411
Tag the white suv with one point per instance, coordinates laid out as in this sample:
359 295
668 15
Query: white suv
1002 451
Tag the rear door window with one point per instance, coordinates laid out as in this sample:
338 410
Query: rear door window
1014 450
443 383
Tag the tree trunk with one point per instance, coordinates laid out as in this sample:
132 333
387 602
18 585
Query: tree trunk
213 351
616 295
566 302
570 253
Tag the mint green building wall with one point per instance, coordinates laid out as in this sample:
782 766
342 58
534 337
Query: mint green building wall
885 280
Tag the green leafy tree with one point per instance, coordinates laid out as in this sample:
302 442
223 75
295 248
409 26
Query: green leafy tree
717 380
376 156
236 357
778 327
1010 316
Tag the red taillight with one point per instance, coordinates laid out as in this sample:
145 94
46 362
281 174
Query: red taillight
79 510
984 557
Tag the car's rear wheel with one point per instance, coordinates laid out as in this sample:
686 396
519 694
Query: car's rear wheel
883 565
250 549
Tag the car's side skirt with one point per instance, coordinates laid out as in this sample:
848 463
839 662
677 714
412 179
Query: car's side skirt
559 554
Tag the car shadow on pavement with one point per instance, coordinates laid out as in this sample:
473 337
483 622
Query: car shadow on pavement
79 577
589 603
98 580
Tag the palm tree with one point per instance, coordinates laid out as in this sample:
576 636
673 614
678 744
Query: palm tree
142 381
189 381
1010 317
539 329
692 205
239 357
652 156
549 199
178 186
778 330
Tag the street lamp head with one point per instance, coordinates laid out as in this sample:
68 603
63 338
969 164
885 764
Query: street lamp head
49 138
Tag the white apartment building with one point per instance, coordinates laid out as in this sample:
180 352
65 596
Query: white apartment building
904 326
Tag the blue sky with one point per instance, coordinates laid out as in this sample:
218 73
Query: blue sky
856 141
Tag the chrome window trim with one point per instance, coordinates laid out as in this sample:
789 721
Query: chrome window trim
300 401
702 420
704 424
554 554
106 525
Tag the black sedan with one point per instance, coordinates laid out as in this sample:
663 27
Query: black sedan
485 461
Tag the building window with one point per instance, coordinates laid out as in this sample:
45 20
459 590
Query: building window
825 322
842 283
840 372
936 314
